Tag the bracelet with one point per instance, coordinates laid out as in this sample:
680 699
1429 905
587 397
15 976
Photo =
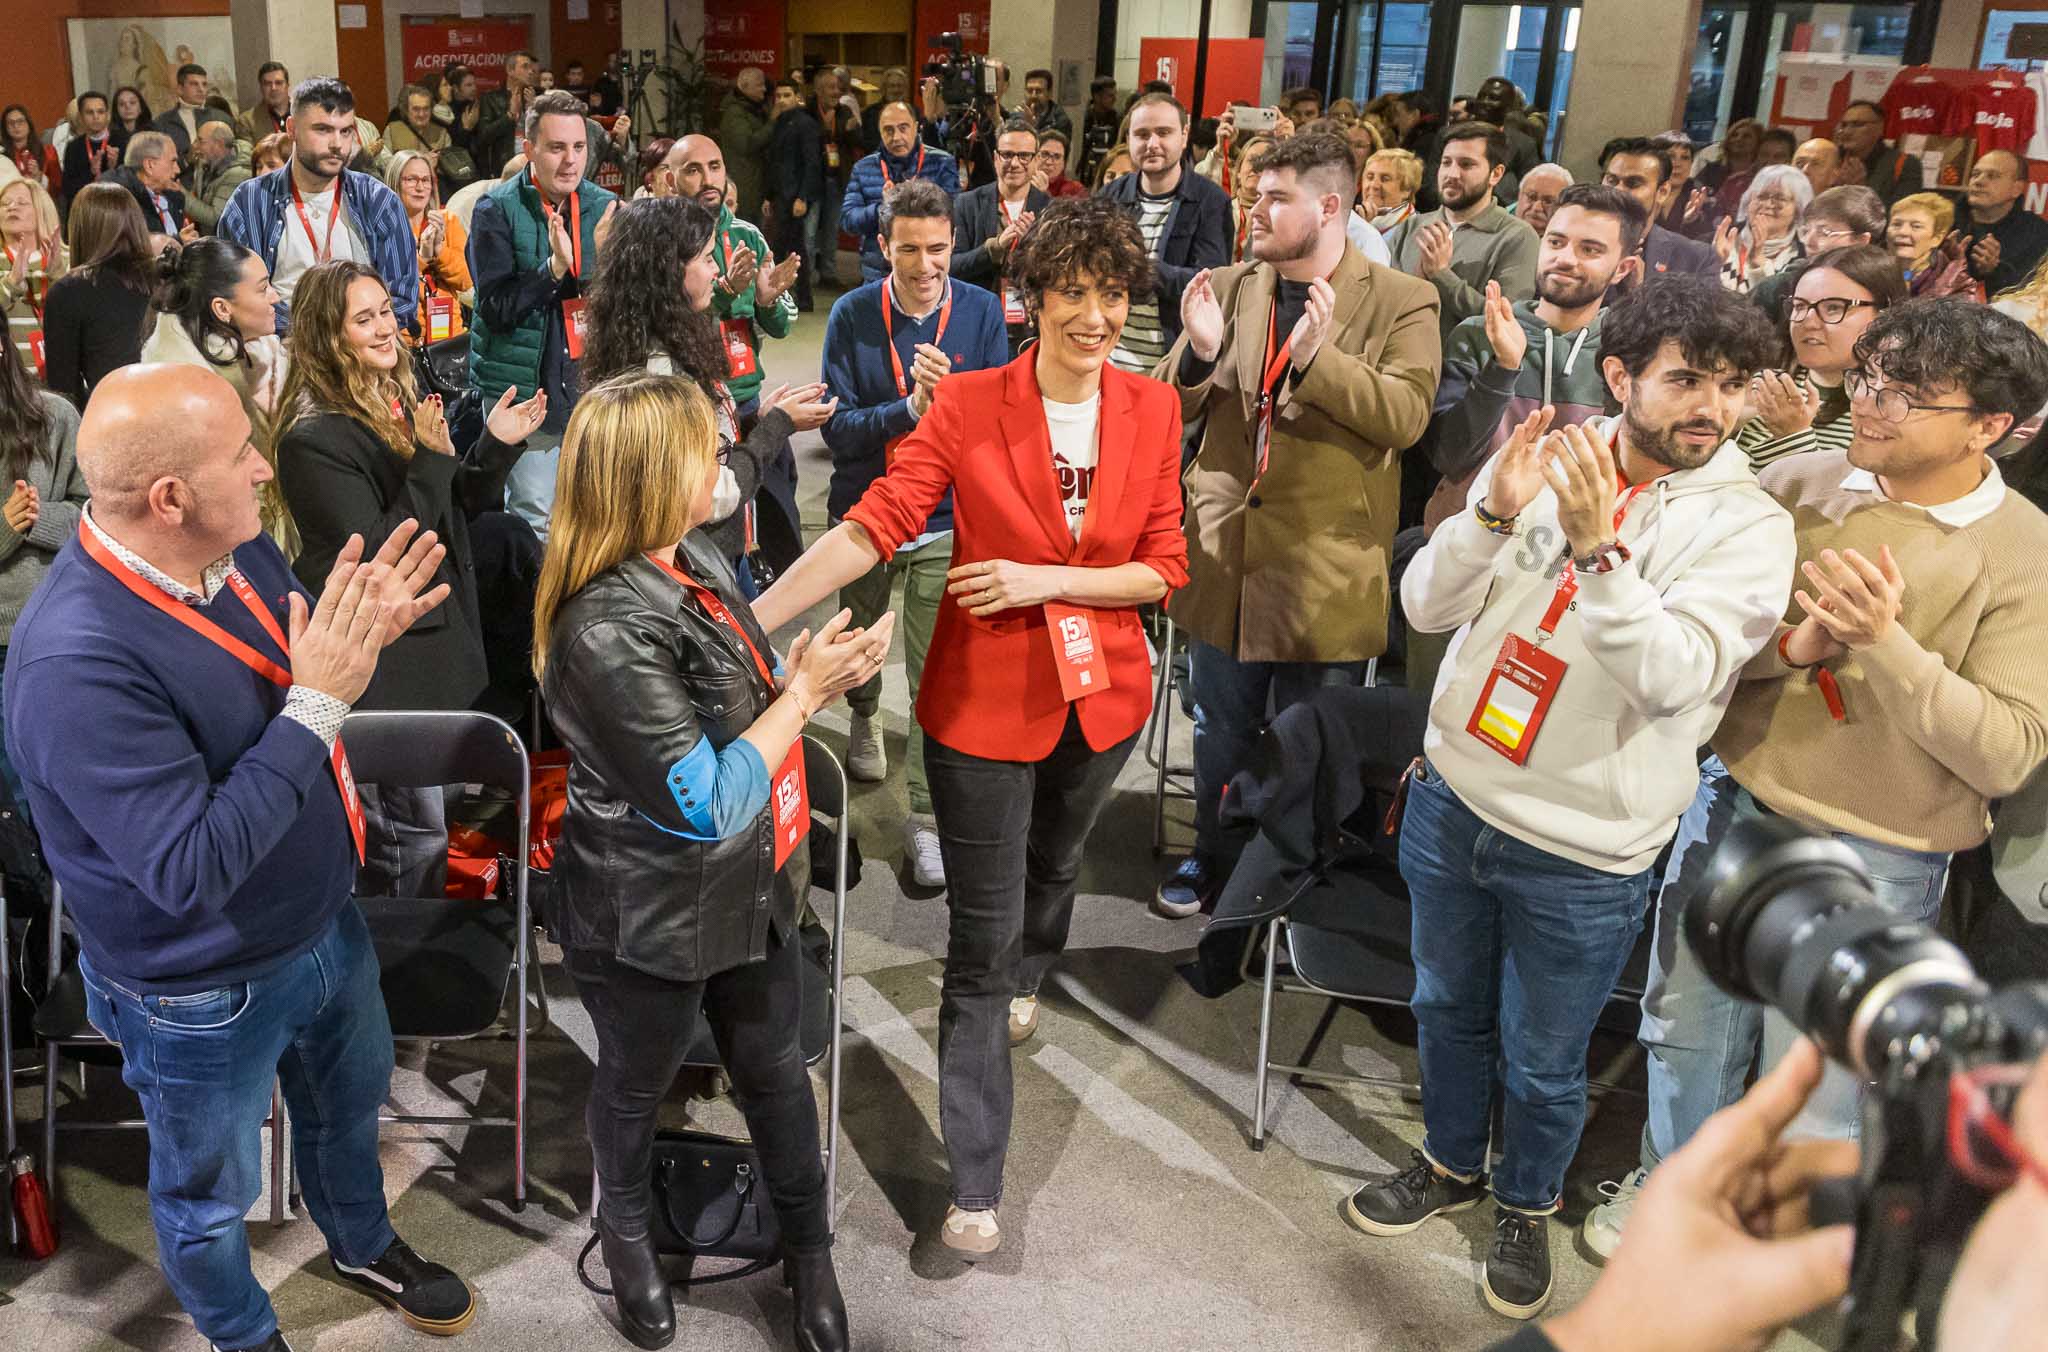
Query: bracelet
1498 525
1786 657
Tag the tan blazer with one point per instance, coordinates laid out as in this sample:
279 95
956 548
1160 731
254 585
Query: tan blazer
1294 568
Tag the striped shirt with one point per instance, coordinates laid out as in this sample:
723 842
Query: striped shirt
1831 429
1143 343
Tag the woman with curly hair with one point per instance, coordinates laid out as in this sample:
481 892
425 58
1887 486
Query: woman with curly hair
650 310
1065 475
358 452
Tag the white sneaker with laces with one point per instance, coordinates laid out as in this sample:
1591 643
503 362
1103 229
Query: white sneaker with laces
1602 1230
971 1234
1023 1018
866 761
921 847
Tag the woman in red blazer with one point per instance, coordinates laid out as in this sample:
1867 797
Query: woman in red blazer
1066 506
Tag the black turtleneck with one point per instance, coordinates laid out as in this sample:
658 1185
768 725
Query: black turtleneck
1290 300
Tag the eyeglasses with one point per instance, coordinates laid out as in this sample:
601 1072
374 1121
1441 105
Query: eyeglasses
1893 405
1012 156
1833 310
1771 199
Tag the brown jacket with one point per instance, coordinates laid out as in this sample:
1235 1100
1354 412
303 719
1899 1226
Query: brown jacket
1297 571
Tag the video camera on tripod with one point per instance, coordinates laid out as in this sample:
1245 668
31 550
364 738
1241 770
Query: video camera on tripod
967 86
1789 919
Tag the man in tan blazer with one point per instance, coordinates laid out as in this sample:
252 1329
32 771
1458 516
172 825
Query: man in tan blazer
1315 370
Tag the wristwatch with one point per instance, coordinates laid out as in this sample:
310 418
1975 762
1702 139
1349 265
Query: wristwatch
1604 558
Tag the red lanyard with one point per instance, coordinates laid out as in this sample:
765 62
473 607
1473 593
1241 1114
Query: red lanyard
717 611
575 225
889 328
883 160
102 159
190 617
321 252
1568 578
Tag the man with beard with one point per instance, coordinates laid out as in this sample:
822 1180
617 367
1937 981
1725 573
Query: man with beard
746 125
1608 583
1639 168
1470 240
1183 217
990 221
1894 702
1287 579
902 157
752 296
315 208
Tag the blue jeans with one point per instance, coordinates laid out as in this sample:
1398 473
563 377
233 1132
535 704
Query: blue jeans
1516 952
530 487
203 1065
1700 1039
1230 700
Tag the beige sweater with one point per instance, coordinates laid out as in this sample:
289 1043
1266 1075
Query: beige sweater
1945 714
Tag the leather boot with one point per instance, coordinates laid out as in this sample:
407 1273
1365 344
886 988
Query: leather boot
647 1309
820 1309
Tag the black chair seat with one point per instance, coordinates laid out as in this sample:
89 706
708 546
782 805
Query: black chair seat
61 1015
445 965
814 1035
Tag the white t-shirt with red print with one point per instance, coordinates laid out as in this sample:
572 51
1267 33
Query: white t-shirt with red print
1076 448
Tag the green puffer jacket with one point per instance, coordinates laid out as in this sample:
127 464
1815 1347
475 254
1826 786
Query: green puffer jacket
499 357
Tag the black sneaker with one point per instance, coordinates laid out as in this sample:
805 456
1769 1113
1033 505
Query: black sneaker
274 1343
1517 1280
1401 1202
1189 888
426 1295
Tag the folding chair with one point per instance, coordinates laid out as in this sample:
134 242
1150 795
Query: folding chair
448 966
1168 780
60 1022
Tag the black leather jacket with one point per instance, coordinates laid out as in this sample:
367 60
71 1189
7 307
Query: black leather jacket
637 675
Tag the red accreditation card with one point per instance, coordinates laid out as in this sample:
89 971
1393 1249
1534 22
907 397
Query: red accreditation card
575 320
440 313
1516 696
790 798
739 352
1075 650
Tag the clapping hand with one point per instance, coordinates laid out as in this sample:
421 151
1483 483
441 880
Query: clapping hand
1012 231
774 279
1314 325
622 128
430 425
1858 601
1518 466
561 249
740 270
1784 408
839 659
1725 247
512 423
603 229
1432 249
928 366
334 647
1201 317
1503 331
1580 470
22 508
1695 203
1984 255
806 405
432 236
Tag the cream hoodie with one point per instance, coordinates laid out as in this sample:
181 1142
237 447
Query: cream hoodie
1652 651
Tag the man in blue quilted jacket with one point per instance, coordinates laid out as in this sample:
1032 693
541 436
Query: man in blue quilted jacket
902 157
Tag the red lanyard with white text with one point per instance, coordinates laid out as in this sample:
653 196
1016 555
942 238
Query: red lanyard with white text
199 624
1568 576
883 161
788 795
896 358
321 251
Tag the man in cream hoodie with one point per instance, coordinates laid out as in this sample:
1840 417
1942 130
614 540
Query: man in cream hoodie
1607 583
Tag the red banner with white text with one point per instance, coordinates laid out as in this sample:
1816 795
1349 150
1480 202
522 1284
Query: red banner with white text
429 46
742 33
968 18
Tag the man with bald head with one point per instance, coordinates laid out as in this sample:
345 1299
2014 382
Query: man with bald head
2006 241
901 158
174 699
1821 161
752 297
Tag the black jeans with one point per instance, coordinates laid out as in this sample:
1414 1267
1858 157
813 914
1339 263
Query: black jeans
1011 834
644 1024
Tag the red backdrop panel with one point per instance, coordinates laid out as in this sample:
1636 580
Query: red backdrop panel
742 33
429 46
1235 66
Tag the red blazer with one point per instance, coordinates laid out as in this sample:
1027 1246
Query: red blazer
990 686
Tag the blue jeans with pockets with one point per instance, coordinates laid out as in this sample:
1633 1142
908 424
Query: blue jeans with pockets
203 1064
1516 952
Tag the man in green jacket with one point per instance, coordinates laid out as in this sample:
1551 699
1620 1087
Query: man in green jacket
218 167
752 297
745 126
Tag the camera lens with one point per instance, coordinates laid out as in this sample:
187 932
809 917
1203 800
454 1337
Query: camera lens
1789 919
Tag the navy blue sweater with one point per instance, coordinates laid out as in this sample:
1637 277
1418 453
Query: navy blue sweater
871 413
199 838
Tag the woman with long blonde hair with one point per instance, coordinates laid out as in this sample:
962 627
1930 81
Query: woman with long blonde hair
684 783
359 453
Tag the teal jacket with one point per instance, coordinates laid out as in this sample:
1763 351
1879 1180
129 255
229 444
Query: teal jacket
733 235
516 335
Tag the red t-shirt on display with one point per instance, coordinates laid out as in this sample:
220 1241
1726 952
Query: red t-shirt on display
1925 107
2001 116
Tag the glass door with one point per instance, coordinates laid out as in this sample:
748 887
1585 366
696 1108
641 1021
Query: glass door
1387 51
1532 45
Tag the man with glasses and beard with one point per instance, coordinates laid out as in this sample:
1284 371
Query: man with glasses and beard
1287 579
1897 699
1470 240
752 296
989 223
1607 583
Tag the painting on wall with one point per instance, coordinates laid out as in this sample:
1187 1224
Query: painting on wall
146 53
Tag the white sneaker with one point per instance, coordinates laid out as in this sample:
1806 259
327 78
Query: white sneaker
1023 1018
1602 1230
971 1234
921 847
866 761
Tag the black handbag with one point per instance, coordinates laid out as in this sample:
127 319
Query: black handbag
443 368
709 1202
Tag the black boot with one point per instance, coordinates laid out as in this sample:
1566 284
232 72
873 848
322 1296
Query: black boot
820 1309
647 1309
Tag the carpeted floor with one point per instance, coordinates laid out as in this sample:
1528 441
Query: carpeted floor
1137 1217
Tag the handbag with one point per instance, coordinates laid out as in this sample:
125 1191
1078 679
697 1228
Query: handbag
443 368
709 1202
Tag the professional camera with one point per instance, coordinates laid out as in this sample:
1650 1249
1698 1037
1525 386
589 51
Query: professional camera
967 85
1789 919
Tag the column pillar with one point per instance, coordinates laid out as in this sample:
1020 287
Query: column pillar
1050 35
299 33
1630 75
